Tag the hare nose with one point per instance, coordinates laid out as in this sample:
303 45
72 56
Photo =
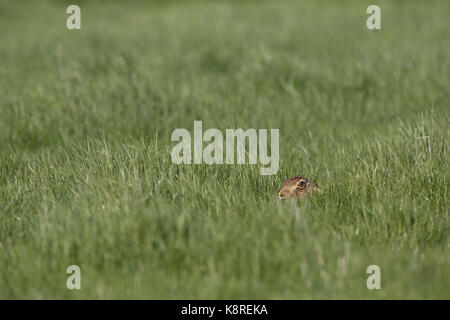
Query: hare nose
281 195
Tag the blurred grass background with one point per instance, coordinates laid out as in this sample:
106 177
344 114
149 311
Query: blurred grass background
85 170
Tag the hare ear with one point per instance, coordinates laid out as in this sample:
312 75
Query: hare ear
316 187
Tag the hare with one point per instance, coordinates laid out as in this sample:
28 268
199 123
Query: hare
297 187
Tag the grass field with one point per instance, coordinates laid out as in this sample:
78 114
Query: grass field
86 176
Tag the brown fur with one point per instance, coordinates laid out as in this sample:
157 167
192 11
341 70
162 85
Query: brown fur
297 187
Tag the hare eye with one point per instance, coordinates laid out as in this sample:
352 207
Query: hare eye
302 184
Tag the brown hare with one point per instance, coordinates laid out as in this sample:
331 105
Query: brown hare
297 187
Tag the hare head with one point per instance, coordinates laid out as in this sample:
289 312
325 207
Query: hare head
297 187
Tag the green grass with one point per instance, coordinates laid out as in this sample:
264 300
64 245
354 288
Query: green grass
86 176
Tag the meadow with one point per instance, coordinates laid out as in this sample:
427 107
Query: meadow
86 176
